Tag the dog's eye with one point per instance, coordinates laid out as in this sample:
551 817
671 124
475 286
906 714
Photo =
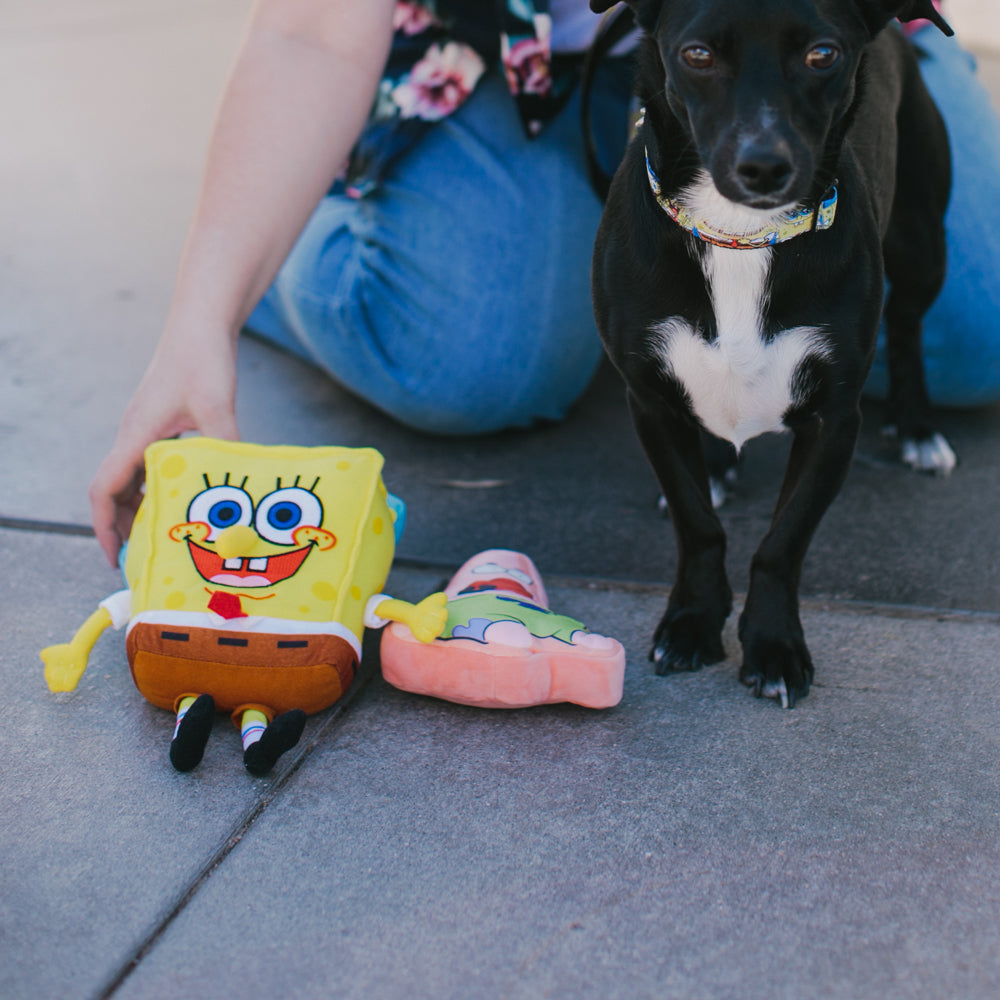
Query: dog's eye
822 57
698 57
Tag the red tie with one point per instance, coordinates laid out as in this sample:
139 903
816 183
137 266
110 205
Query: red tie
226 605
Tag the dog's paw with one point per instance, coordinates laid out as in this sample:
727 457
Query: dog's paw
686 639
776 668
930 454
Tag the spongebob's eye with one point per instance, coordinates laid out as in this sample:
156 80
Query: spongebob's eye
280 513
221 507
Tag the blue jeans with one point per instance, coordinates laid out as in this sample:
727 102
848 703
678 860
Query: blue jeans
962 329
456 295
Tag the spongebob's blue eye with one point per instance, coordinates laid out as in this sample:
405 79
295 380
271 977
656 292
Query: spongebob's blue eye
285 515
221 507
224 514
281 512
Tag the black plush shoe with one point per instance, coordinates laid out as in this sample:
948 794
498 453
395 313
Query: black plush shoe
188 746
281 735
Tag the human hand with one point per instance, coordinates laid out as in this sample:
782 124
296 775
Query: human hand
190 385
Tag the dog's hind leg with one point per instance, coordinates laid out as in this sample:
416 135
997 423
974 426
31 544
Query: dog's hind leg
689 635
722 460
723 465
914 254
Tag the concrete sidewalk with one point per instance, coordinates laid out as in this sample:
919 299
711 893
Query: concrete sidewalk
691 842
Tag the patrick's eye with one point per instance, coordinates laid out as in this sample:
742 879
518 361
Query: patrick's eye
822 57
221 507
280 513
698 57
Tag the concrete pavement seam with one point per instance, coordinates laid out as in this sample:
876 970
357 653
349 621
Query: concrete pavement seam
810 602
243 826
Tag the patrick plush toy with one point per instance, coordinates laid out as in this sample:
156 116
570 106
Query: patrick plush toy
502 647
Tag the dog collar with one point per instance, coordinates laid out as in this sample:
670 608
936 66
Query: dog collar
794 223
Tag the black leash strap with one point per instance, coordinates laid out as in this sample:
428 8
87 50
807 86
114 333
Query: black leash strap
616 24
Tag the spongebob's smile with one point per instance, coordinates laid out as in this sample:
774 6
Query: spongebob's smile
259 571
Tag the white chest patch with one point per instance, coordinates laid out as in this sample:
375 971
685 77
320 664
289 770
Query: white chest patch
739 384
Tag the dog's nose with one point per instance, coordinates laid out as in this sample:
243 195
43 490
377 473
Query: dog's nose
764 168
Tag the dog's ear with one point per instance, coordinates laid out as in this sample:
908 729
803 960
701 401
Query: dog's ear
912 10
878 13
645 11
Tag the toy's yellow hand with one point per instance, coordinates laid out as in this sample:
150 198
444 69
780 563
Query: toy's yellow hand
429 618
65 663
425 620
64 666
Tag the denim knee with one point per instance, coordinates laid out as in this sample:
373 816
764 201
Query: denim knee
443 364
455 296
461 371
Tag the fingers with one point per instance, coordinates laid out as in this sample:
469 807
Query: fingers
116 489
180 392
63 668
430 618
115 494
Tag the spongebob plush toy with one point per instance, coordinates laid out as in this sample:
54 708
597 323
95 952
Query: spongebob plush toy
252 571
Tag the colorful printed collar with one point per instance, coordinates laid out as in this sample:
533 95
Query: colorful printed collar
795 223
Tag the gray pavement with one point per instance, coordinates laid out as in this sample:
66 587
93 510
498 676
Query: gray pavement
691 842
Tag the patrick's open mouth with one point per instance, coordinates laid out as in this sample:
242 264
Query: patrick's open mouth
506 584
241 572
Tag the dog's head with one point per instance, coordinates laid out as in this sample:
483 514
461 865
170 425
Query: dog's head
761 85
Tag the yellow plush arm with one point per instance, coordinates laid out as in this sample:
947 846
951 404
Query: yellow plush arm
65 663
426 620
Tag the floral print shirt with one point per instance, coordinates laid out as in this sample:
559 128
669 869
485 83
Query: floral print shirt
440 51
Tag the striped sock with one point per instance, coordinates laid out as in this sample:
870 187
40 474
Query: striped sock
182 710
195 717
252 729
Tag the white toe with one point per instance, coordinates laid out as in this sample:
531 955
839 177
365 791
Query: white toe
719 494
777 690
933 454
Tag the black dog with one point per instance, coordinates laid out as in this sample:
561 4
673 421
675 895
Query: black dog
789 163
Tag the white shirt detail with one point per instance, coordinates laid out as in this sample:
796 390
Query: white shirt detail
119 606
371 619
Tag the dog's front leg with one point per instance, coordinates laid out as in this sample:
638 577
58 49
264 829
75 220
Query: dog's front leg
776 660
689 635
